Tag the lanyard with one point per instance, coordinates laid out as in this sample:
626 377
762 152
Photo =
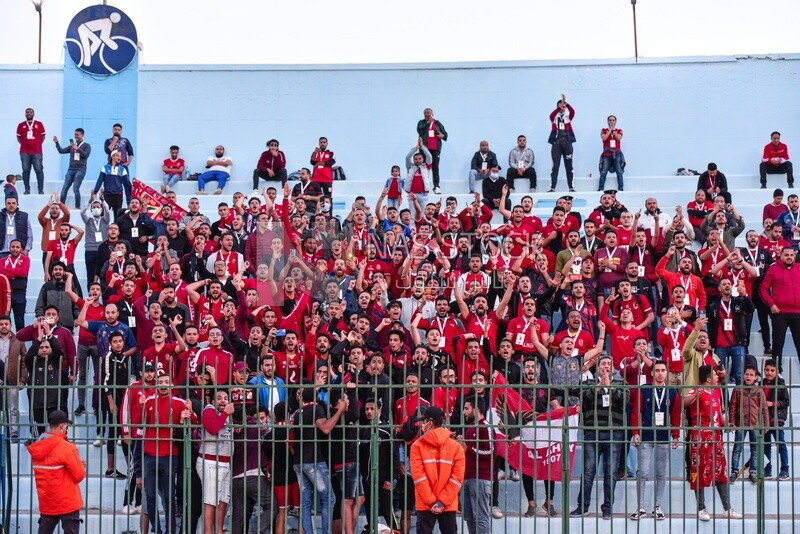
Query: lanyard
303 188
14 263
10 220
659 401
686 282
674 334
752 256
590 245
441 324
580 308
64 248
714 256
726 309
30 125
611 252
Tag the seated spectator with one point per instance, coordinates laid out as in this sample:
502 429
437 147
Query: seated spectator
271 165
611 159
520 164
173 168
775 160
697 212
482 163
714 183
219 170
775 208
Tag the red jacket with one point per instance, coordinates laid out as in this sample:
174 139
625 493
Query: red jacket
772 151
161 415
58 471
785 285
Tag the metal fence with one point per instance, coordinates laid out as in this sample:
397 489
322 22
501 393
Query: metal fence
270 503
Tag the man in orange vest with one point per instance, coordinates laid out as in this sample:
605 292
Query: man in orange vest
437 468
58 471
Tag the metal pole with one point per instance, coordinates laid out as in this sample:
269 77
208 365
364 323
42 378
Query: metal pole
760 512
635 38
40 33
565 472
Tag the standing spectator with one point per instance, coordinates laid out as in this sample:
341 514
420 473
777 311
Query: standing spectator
214 463
87 344
63 249
250 485
125 150
779 292
322 162
520 164
657 409
284 479
79 151
271 389
749 415
173 168
561 137
31 135
218 170
162 413
15 224
309 191
58 471
727 326
271 165
437 469
760 259
708 465
697 212
53 293
718 220
114 382
96 217
775 208
418 179
481 165
9 191
477 443
52 214
112 177
43 362
611 261
778 405
16 267
611 159
603 411
136 228
432 133
775 160
714 183
384 459
12 353
790 222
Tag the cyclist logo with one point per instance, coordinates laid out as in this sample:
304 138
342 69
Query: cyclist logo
101 40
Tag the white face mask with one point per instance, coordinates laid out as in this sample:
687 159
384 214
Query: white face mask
494 175
326 207
97 212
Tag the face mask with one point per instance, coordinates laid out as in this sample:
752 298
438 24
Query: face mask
97 212
326 207
495 175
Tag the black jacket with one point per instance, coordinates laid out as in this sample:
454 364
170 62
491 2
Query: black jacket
145 228
778 393
740 307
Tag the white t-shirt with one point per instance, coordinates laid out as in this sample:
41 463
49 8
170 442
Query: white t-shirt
222 168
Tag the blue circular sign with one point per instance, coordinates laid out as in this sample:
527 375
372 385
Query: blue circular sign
101 40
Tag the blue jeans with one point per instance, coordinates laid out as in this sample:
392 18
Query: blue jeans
213 176
170 179
606 165
315 480
474 176
736 355
607 445
35 161
159 472
74 178
778 436
477 495
739 435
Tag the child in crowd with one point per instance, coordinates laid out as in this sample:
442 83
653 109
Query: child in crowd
748 414
394 185
9 189
778 406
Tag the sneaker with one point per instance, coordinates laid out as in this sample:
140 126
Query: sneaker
763 186
767 351
514 476
80 410
607 515
130 509
659 513
578 512
783 475
14 436
572 190
116 475
753 477
496 513
620 475
551 190
26 192
551 510
531 512
635 516
98 442
167 189
437 190
731 514
293 511
702 515
163 189
255 192
501 475
734 476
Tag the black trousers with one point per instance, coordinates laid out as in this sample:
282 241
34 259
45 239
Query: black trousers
18 303
530 174
763 316
783 168
427 520
435 166
558 151
780 323
280 176
70 523
114 201
384 507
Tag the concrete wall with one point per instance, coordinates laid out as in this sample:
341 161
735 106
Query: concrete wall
683 112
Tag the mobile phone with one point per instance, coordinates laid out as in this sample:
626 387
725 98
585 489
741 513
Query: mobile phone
702 314
71 141
292 253
50 320
281 332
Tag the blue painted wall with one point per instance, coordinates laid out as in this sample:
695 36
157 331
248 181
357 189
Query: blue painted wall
683 112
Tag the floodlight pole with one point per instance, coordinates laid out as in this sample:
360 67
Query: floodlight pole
635 39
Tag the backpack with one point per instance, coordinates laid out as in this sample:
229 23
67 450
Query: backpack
338 173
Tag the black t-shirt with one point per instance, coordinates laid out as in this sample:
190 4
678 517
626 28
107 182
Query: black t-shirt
312 442
282 457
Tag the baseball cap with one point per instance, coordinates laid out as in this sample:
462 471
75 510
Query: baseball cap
240 366
57 417
433 413
148 366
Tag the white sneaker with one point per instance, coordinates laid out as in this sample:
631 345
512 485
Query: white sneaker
731 514
98 442
437 191
702 515
496 513
514 476
130 509
501 475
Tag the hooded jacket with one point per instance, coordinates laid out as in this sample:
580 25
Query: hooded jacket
58 471
437 468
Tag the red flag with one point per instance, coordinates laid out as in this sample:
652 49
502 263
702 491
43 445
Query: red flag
153 201
538 449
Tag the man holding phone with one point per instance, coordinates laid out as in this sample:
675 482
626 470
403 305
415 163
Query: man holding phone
79 151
